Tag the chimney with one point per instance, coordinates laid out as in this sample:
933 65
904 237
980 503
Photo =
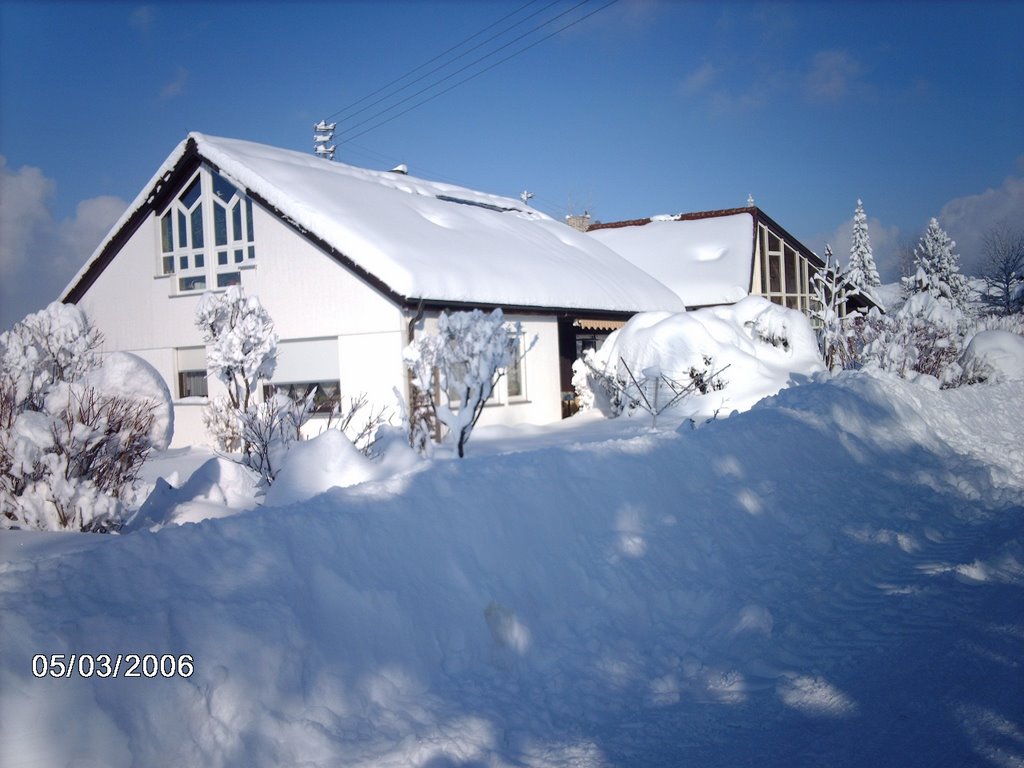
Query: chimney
582 223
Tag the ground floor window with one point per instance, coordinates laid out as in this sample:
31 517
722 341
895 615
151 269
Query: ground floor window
192 384
324 400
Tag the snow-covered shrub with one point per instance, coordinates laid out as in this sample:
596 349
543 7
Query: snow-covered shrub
829 313
651 390
268 429
223 421
923 337
74 430
465 358
758 345
241 350
993 357
1008 323
359 420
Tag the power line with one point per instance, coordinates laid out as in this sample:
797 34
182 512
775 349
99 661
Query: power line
462 69
498 34
475 74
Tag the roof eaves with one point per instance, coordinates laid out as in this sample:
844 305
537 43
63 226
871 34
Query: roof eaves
182 161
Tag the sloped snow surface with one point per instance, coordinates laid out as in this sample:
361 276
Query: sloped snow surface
835 577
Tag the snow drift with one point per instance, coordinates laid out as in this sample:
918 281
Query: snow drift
832 578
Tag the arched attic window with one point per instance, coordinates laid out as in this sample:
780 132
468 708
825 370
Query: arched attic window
206 234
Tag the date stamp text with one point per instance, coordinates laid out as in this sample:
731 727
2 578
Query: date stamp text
103 665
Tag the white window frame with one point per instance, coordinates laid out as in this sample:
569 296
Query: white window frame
203 258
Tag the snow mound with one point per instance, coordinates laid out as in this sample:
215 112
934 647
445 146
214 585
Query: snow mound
311 467
758 346
994 356
127 375
218 488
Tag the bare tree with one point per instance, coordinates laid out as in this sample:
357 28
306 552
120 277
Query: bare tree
1003 268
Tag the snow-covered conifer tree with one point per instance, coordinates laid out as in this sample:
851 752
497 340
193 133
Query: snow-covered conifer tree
937 269
861 271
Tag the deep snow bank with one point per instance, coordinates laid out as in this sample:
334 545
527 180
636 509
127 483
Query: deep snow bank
831 578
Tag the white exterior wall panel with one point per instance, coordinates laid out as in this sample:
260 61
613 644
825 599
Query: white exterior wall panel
313 300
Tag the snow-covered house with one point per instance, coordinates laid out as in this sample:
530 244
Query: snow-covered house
350 263
719 257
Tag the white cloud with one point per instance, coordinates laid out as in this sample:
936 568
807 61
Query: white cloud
832 76
39 254
176 86
23 214
698 80
967 219
142 17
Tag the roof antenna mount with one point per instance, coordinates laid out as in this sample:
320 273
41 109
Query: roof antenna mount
323 133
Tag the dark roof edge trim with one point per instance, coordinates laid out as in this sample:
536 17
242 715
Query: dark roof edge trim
185 165
694 216
438 305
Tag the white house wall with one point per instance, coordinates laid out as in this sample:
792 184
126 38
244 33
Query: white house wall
307 293
332 325
541 399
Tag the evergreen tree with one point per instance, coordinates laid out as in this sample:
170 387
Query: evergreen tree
862 271
937 268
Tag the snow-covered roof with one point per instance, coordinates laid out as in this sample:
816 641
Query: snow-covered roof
705 260
425 239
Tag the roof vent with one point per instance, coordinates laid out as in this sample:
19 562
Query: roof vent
401 168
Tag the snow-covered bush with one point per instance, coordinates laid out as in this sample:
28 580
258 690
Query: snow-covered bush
758 345
465 358
74 430
241 350
993 357
930 336
829 313
359 420
650 390
923 337
268 429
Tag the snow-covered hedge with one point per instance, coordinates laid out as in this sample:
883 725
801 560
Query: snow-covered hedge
74 429
928 338
753 346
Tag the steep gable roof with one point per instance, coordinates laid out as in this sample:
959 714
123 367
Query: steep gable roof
414 239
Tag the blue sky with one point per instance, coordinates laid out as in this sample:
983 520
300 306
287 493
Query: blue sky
642 108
